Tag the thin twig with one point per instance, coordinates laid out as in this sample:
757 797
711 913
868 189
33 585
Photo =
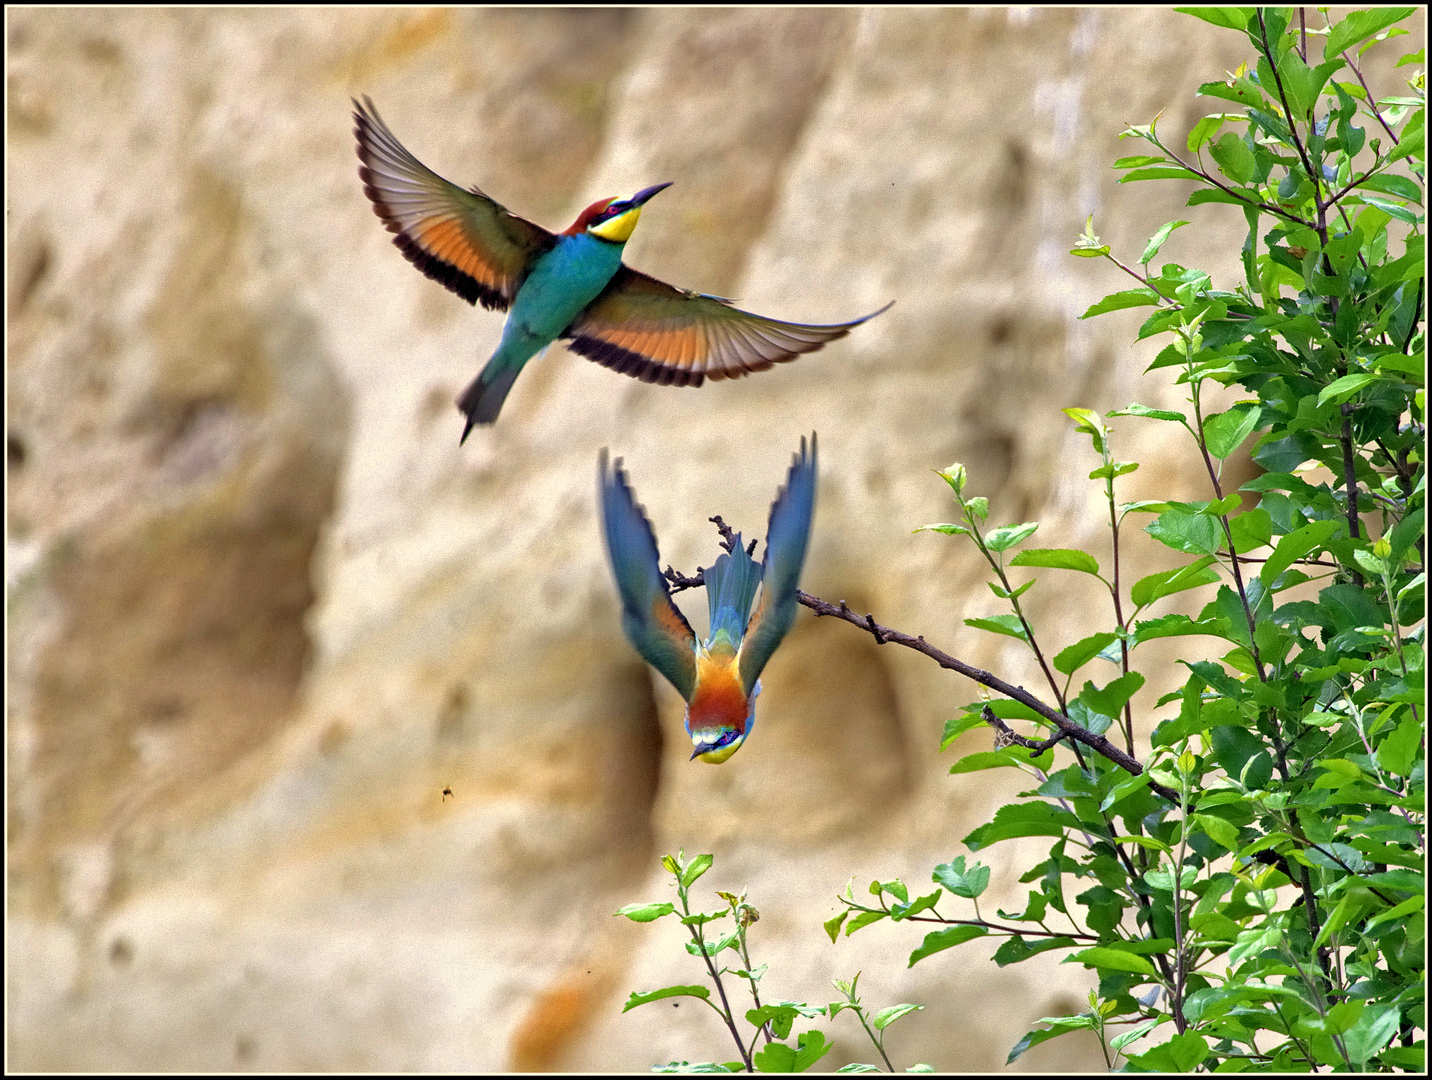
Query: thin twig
1371 101
1071 730
1007 736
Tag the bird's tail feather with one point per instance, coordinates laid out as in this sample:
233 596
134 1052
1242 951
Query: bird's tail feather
483 398
730 589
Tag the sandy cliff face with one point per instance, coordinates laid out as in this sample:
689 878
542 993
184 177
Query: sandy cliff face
263 608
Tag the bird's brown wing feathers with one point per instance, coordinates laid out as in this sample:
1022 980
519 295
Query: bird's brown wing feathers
461 238
654 332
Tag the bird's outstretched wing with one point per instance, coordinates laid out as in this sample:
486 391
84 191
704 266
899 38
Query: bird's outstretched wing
786 539
656 333
652 622
461 238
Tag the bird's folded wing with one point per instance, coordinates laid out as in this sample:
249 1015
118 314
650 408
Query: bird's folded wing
461 238
786 539
652 622
654 332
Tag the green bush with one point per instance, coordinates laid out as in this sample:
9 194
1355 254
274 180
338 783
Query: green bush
1249 897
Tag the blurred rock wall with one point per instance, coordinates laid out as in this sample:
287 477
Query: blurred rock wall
262 608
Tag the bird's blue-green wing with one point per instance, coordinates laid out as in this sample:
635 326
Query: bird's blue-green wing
463 239
652 622
786 538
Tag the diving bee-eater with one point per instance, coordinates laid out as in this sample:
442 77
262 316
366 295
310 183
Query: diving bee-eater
571 285
720 677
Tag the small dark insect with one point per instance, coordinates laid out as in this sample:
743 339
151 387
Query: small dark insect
446 792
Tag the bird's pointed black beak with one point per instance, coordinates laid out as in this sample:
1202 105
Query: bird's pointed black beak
646 193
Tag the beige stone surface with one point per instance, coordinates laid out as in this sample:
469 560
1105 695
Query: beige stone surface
262 608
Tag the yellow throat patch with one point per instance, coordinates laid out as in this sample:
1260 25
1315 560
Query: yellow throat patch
618 229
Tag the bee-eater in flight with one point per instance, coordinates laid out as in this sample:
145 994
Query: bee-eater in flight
571 285
720 677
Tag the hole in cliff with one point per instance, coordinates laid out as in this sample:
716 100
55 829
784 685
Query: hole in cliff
121 952
1012 189
31 265
15 452
830 705
631 774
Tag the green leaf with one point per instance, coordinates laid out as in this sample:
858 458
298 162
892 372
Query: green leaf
711 948
1407 907
1346 387
1062 1026
1113 697
885 1017
1183 530
1253 942
781 1015
833 925
914 907
1020 819
1360 25
1167 582
695 868
1251 529
865 918
1158 238
1160 172
1008 625
1057 559
666 992
1118 301
1181 1054
1114 470
1220 830
1413 145
959 881
1230 18
1398 752
895 888
1406 532
1224 432
1118 1042
947 528
1204 130
1080 653
1241 197
645 912
958 725
1006 536
1140 841
1234 158
1176 626
1017 949
1296 545
1373 1030
1115 960
811 1046
939 940
1008 757
1392 184
702 1067
1401 213
1144 410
